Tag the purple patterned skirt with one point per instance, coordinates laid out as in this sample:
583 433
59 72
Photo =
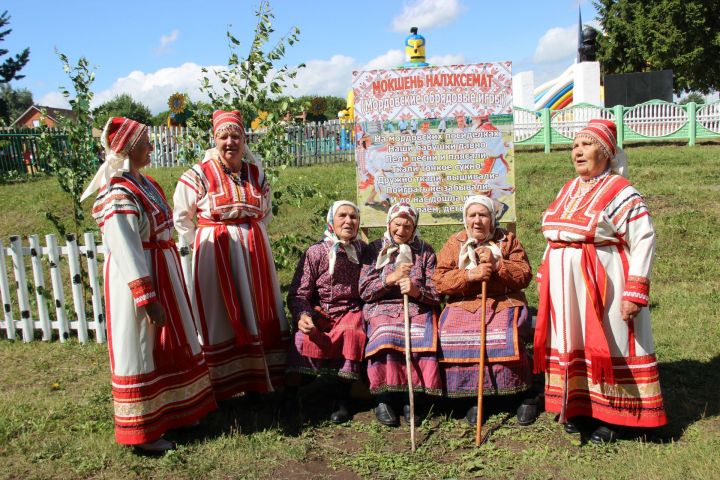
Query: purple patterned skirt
385 352
508 367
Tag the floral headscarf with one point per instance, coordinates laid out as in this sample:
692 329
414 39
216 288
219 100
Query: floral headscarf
335 242
389 246
468 257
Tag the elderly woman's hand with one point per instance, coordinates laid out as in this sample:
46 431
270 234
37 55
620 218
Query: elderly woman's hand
481 273
485 256
305 324
407 287
155 314
629 310
401 271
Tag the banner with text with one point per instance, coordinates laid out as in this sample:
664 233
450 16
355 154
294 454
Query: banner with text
432 136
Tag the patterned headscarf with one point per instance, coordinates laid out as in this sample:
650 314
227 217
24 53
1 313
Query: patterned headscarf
224 119
335 242
119 136
389 246
232 119
604 133
468 257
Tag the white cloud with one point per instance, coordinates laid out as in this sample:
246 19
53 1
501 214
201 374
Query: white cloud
153 89
325 77
449 59
389 59
558 43
166 40
53 99
427 14
331 76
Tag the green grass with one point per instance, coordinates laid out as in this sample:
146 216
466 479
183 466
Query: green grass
55 402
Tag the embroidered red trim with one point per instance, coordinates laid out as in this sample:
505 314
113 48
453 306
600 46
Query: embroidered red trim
142 291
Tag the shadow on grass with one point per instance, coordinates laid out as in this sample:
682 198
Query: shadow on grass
689 389
691 392
249 414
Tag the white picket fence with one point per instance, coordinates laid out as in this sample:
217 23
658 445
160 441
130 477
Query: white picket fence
33 307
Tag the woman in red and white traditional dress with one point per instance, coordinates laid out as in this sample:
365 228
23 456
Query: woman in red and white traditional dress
593 334
159 377
236 294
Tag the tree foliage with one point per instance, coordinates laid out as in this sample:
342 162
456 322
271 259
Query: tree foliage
682 35
11 66
694 97
75 161
13 102
121 106
322 108
251 85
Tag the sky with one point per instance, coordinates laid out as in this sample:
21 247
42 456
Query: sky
153 48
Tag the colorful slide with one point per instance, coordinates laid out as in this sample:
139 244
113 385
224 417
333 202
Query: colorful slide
556 93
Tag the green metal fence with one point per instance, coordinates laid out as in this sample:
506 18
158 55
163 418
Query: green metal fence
651 121
20 150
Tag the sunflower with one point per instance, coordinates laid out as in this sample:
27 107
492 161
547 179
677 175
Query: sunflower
177 103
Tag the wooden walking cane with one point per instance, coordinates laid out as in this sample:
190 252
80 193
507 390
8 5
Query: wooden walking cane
481 375
408 367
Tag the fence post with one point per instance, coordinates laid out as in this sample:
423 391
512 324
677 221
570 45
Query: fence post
5 291
618 112
547 128
16 252
39 279
77 286
57 286
98 315
692 123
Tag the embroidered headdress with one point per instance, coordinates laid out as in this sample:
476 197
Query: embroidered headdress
119 136
223 119
604 133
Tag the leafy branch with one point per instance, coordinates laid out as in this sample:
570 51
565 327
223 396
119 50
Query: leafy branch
72 156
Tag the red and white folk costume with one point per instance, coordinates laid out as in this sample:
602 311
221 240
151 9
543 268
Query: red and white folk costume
159 377
601 245
236 294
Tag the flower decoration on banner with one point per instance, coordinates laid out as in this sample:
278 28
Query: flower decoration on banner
177 103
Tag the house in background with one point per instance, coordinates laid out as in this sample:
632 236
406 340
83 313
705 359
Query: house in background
31 118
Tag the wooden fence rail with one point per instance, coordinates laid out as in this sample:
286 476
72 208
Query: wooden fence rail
35 309
32 311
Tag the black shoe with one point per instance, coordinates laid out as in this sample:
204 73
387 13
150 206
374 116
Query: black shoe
154 449
341 413
471 416
603 434
528 412
406 416
289 413
570 427
385 415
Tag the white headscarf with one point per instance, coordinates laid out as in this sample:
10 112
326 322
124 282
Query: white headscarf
389 246
468 257
619 163
335 242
